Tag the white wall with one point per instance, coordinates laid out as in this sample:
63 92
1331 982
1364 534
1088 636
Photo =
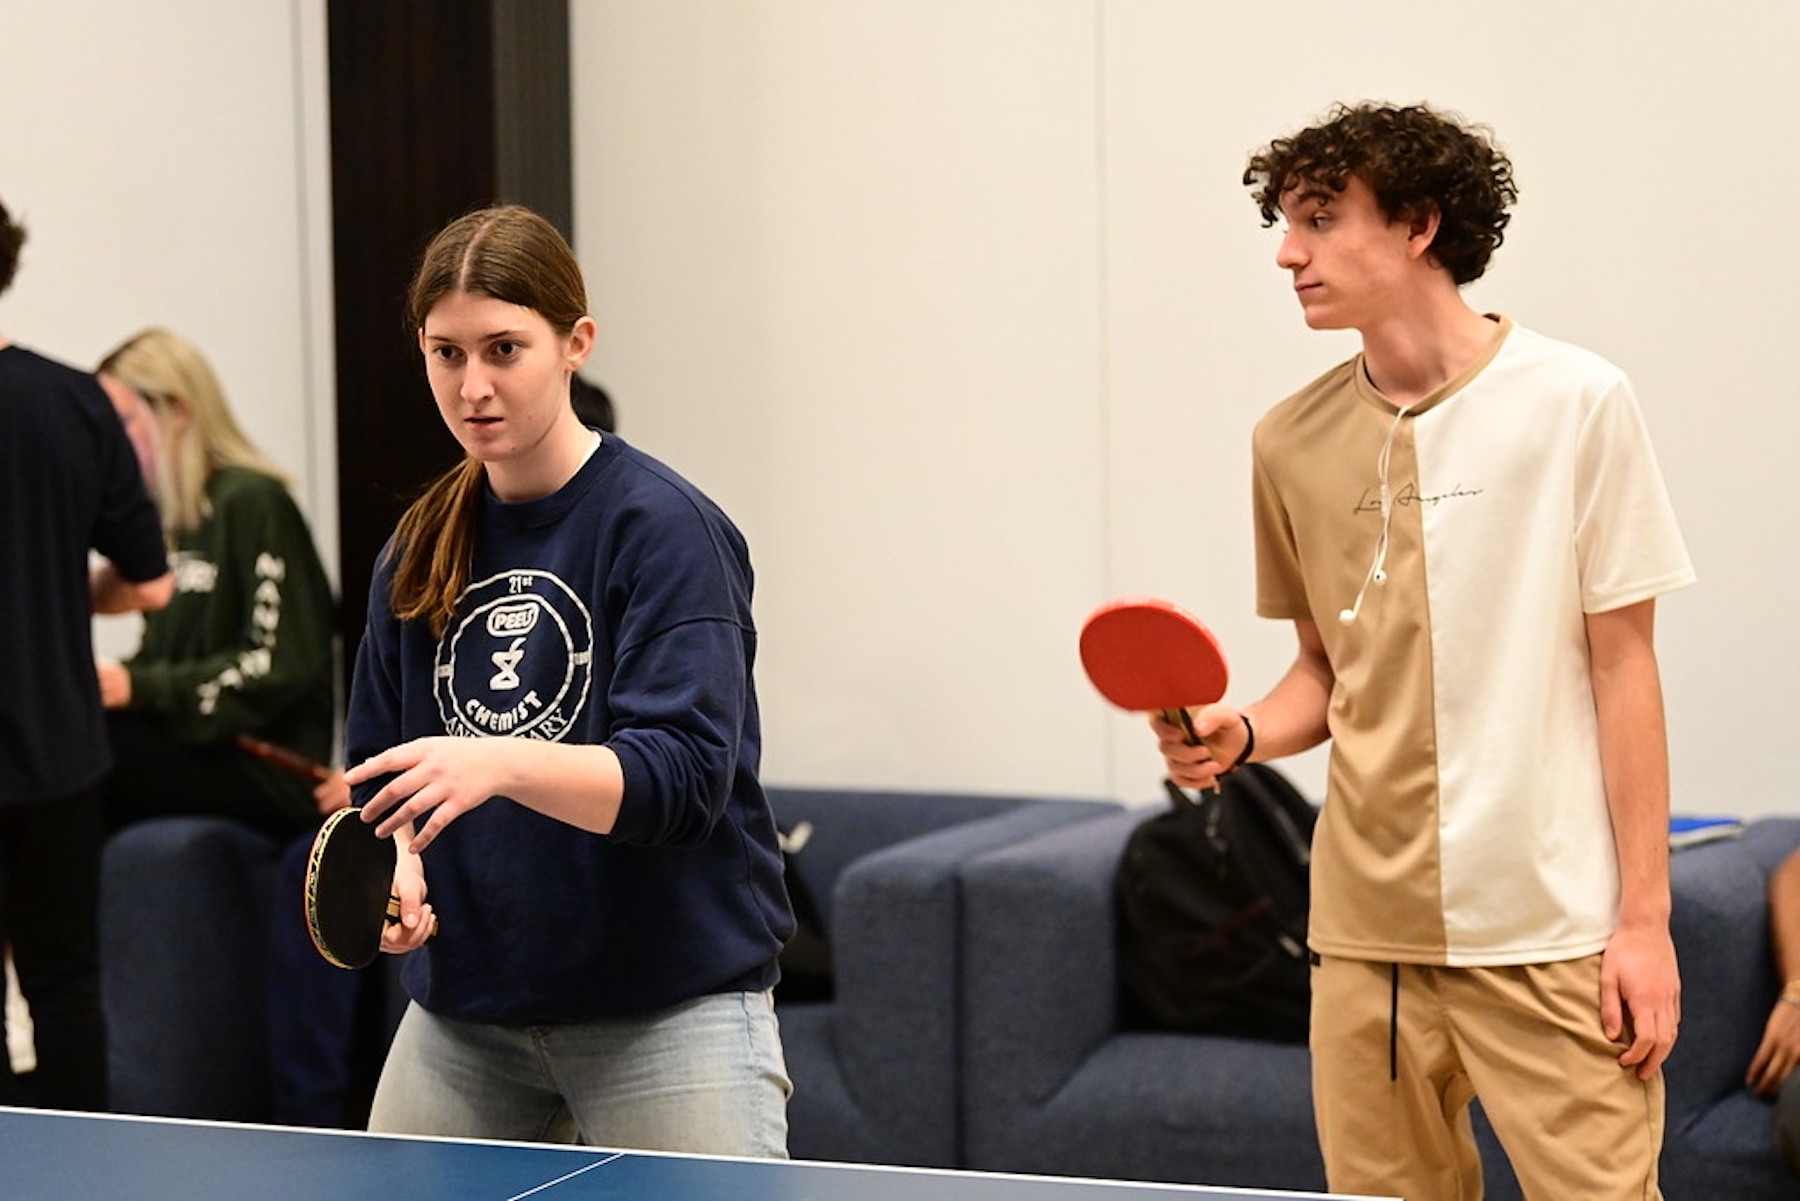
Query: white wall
170 162
959 307
808 230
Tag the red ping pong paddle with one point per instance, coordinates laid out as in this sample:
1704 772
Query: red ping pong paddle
1148 655
349 889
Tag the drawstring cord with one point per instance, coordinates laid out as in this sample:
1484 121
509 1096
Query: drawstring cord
1394 1024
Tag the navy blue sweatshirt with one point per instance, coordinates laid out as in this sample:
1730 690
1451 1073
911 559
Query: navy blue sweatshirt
615 611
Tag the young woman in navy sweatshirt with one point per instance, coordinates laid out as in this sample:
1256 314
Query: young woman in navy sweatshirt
553 711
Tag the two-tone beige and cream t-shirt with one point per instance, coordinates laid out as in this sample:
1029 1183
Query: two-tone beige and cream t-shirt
1465 820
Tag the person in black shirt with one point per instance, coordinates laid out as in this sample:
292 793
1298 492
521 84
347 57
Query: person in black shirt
69 485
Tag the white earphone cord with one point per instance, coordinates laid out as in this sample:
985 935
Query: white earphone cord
1377 573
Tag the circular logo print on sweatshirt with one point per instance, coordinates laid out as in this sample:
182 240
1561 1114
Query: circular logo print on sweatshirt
518 661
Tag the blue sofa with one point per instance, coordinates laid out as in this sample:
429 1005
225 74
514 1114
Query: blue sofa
192 911
1720 1137
975 1018
185 902
1058 1083
877 1068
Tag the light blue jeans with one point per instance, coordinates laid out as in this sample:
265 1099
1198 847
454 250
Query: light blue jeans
706 1077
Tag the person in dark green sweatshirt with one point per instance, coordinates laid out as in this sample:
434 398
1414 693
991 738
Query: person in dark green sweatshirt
245 648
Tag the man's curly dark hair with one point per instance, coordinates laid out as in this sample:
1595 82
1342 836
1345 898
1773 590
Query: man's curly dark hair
12 239
1415 160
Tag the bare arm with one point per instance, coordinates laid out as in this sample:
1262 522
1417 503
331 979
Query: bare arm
1290 719
1640 988
1784 918
417 922
113 593
1779 1052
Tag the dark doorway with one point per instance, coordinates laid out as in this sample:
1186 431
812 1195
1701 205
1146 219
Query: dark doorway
436 108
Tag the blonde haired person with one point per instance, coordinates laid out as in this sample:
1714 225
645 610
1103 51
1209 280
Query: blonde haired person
555 690
245 647
178 388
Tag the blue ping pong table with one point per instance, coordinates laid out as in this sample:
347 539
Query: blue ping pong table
48 1155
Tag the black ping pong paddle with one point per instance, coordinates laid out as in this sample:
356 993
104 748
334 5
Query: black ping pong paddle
349 889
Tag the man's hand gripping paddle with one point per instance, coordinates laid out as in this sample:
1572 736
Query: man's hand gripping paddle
1149 656
349 889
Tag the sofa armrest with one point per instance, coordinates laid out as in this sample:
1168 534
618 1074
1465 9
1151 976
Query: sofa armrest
849 824
184 903
1041 929
1721 1137
1770 840
895 1049
1719 920
898 913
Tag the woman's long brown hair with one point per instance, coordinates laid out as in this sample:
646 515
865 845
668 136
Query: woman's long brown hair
511 254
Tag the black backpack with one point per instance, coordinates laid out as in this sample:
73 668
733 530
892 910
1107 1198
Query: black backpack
1212 910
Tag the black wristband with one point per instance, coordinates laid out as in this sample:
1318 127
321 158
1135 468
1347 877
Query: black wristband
1249 744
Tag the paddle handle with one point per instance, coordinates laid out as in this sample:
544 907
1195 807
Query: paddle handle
1180 718
392 915
282 757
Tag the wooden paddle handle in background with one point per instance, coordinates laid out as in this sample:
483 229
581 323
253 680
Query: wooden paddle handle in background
282 757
